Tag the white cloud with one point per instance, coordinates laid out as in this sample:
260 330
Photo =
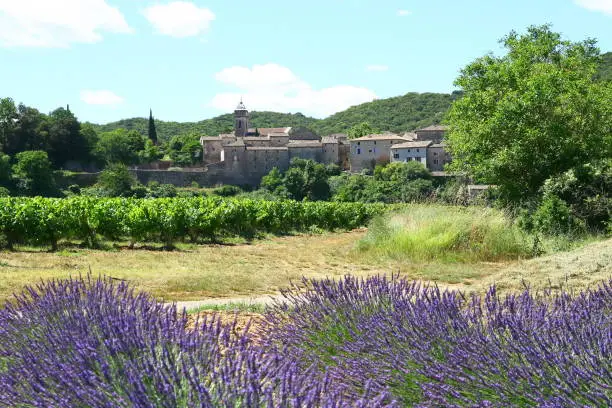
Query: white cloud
276 88
57 23
179 18
403 13
605 6
101 97
377 68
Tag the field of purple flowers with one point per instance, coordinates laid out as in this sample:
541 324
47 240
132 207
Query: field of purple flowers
372 343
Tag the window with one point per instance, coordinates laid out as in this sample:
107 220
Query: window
358 143
375 142
436 161
396 155
408 150
435 153
358 151
239 125
374 149
418 150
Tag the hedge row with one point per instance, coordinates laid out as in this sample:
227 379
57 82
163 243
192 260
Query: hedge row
45 221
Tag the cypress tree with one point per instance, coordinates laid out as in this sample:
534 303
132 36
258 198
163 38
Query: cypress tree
152 131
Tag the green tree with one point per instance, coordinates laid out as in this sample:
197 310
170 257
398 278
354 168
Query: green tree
360 130
120 146
530 114
5 170
185 150
64 138
116 181
273 180
8 117
28 132
152 130
398 172
34 174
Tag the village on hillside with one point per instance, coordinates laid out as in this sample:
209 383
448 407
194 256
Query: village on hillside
246 155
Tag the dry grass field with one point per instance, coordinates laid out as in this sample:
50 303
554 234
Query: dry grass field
264 267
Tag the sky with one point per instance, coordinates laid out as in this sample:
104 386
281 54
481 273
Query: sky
192 60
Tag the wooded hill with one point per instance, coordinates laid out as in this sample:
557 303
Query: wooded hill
398 114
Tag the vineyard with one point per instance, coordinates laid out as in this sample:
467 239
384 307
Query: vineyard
46 221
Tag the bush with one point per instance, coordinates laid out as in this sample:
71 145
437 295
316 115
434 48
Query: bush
74 189
162 191
553 217
116 181
94 343
4 192
430 347
227 191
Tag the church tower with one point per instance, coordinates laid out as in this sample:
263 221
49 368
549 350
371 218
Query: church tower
241 123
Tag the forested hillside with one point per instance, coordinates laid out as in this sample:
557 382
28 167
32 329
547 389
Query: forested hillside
605 71
397 114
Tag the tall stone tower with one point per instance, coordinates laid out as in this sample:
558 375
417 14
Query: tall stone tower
241 123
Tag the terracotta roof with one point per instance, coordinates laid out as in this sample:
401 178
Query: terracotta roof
434 127
278 134
410 135
237 143
267 131
305 143
329 140
442 145
378 137
265 148
210 138
409 145
255 138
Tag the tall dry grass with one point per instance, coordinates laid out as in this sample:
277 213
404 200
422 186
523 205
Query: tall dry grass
446 233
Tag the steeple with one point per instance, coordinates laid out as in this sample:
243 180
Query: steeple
241 122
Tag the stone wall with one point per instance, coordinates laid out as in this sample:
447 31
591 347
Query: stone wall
65 179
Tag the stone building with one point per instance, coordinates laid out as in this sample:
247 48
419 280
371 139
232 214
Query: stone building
411 151
427 148
368 151
435 133
250 153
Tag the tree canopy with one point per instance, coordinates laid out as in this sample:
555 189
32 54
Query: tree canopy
530 114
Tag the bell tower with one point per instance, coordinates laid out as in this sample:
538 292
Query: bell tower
241 120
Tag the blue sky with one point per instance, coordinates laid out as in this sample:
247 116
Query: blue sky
191 60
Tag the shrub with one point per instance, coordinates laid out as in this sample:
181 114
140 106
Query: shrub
553 217
4 192
430 347
227 191
94 343
116 181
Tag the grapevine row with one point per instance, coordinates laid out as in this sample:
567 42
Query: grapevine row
45 221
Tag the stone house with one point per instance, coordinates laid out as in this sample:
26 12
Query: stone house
411 151
250 153
434 133
368 151
437 157
428 148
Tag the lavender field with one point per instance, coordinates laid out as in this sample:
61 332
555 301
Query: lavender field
376 342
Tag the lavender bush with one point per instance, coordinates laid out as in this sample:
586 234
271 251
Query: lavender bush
95 343
440 348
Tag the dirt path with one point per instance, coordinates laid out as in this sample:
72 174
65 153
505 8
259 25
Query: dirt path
243 301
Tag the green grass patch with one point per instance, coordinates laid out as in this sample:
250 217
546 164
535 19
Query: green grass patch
230 307
423 233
